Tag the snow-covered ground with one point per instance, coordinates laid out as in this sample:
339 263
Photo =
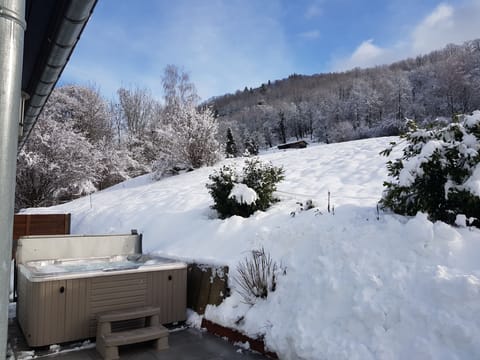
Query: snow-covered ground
358 285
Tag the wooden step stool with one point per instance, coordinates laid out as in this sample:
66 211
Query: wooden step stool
108 341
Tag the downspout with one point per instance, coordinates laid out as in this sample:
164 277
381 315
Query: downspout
12 28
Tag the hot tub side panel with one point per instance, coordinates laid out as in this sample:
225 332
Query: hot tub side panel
168 290
77 309
115 292
58 311
41 311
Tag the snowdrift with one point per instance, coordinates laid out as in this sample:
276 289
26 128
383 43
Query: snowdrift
359 284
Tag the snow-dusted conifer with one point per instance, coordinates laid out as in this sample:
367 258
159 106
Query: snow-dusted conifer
439 172
230 146
251 147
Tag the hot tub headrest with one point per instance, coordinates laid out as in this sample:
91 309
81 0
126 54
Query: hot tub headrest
40 247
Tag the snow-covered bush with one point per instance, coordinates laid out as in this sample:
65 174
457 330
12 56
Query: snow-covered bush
256 276
243 194
439 172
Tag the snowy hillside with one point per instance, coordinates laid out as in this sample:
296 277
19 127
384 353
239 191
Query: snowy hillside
358 284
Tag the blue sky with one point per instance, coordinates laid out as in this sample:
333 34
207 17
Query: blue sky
226 45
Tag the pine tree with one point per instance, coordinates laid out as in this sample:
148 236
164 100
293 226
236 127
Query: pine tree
230 147
251 147
282 129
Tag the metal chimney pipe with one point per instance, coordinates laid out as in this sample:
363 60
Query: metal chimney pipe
12 28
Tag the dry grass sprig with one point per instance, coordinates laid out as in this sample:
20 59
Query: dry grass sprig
256 276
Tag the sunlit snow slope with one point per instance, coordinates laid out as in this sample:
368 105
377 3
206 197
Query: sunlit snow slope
358 285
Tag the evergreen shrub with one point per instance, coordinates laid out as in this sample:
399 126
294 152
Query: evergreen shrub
438 173
260 177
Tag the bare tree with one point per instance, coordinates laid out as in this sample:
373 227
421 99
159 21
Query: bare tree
177 87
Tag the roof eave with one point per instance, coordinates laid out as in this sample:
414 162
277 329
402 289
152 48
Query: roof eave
65 37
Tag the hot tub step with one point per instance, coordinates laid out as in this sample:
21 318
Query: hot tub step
108 341
137 335
128 314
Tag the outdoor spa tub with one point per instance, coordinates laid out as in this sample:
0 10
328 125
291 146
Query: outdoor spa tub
58 299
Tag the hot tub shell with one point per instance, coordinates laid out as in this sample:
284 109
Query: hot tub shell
56 307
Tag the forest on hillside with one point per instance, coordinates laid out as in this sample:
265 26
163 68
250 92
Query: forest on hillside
359 103
83 143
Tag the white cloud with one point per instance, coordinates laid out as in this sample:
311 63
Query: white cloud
446 24
426 34
443 12
310 35
367 52
365 55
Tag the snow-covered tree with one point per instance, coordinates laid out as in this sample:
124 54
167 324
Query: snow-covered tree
57 163
230 146
72 150
281 129
83 107
188 141
61 159
251 147
439 172
137 110
188 134
115 164
135 117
